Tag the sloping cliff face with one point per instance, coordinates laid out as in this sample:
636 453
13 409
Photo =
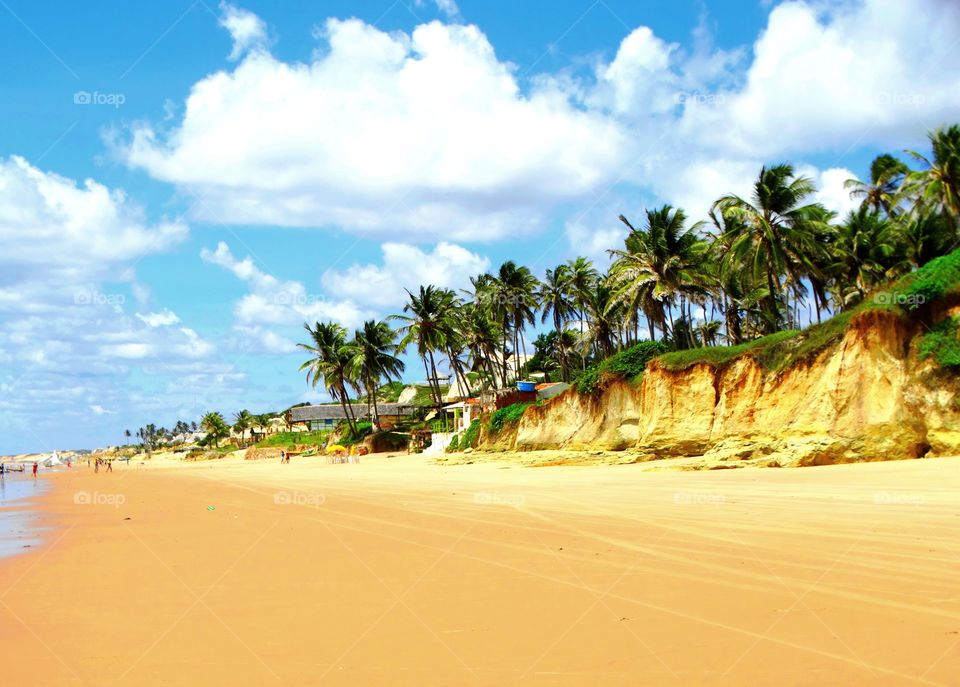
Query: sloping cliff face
866 398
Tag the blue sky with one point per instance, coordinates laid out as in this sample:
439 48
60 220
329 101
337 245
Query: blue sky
183 183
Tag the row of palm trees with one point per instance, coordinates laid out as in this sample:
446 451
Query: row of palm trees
773 261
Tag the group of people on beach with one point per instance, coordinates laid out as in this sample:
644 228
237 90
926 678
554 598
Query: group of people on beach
284 457
3 469
100 461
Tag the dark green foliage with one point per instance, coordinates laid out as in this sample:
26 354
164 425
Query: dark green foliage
454 444
627 364
943 343
506 416
470 436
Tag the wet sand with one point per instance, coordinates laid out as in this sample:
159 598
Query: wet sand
399 572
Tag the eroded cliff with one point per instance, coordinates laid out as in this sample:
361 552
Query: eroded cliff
867 396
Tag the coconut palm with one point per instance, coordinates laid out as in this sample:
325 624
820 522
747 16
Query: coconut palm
425 326
864 253
555 299
582 278
777 236
243 421
936 187
374 358
215 427
481 339
515 291
330 364
658 267
886 175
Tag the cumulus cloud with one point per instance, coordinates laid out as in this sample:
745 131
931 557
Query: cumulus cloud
854 72
68 345
86 231
247 30
470 151
276 302
427 132
405 267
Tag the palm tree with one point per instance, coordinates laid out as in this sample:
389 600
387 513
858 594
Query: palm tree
582 278
373 358
215 427
330 364
556 301
886 175
660 264
864 252
127 434
481 339
427 327
515 289
776 236
242 421
936 188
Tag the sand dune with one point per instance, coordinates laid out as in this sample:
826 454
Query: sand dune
398 572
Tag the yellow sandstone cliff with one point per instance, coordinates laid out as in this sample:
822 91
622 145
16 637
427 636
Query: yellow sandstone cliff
867 397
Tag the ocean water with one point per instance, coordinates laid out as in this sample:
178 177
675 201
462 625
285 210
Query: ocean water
18 522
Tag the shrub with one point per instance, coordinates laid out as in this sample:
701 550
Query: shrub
942 342
350 437
454 444
470 436
627 364
506 416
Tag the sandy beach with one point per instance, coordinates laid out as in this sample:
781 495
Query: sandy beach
399 572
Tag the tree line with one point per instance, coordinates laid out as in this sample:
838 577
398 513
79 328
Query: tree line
758 265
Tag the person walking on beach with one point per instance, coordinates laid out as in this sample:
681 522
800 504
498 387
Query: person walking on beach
96 465
283 457
109 466
2 469
35 470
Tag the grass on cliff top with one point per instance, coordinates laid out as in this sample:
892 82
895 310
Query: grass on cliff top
291 439
628 364
776 352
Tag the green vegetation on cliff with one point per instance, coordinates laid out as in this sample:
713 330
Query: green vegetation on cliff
928 285
506 416
628 364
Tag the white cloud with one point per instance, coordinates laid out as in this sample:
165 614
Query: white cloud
448 8
427 133
159 319
66 276
405 267
272 301
85 231
855 73
830 189
247 30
